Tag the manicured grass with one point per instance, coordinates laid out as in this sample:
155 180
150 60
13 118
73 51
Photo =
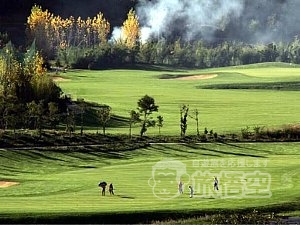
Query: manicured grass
62 183
59 186
221 110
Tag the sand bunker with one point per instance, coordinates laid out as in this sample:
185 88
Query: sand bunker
197 77
4 184
57 78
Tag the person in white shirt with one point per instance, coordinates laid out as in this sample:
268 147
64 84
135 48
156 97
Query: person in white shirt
180 187
191 191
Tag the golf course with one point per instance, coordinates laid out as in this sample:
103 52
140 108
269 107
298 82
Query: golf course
61 185
220 107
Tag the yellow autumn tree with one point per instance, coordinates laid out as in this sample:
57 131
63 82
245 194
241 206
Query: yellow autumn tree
131 31
101 28
57 30
9 68
35 66
52 33
39 28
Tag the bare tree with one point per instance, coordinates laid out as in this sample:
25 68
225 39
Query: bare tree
196 118
184 109
160 121
134 118
104 115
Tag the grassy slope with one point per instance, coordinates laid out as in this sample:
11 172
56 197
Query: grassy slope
220 110
65 183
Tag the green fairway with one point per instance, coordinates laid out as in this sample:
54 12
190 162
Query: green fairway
223 110
250 175
62 182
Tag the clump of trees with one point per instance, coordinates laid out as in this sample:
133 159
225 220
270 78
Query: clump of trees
54 34
28 96
74 42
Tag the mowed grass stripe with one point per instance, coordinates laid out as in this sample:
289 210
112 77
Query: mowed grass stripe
63 187
220 110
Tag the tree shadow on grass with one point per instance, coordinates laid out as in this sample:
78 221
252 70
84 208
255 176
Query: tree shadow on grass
243 147
175 152
223 152
150 67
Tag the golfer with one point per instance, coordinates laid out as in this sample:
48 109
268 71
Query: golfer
103 186
180 187
216 184
191 191
111 189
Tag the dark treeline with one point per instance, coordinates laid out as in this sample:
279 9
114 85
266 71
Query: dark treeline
14 13
248 21
197 54
70 43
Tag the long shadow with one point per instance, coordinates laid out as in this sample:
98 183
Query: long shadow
15 171
83 156
109 154
25 154
9 157
231 153
165 150
149 67
178 153
125 196
243 147
46 156
94 155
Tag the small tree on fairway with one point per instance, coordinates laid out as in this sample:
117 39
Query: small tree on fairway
146 106
196 118
12 113
53 114
160 121
82 106
134 118
184 109
104 114
36 112
70 121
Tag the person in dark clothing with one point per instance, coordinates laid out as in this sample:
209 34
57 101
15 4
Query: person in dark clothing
111 189
103 185
216 184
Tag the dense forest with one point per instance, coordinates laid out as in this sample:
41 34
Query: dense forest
14 13
178 33
246 20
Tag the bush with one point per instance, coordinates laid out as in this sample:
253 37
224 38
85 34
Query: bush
245 133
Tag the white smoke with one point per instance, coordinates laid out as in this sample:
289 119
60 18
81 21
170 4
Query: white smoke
116 34
157 16
252 21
